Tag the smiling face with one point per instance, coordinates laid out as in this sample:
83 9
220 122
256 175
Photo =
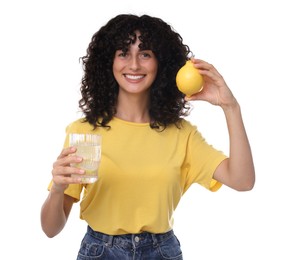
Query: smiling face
135 70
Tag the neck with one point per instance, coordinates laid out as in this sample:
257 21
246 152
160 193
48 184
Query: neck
133 108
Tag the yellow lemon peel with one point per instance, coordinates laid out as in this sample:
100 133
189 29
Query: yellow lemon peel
189 81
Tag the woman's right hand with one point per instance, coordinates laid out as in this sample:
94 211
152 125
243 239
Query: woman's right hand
62 170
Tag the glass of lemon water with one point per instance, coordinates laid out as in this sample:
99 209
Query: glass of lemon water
89 148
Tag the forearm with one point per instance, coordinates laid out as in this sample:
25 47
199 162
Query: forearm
53 217
240 164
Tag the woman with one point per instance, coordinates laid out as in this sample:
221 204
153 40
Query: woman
151 155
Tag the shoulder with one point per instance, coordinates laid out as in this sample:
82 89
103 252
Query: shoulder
184 129
79 126
187 126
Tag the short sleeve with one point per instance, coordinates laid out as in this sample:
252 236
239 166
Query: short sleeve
200 163
73 190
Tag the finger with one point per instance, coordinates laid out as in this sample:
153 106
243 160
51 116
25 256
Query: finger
66 171
205 66
67 151
61 183
67 160
210 74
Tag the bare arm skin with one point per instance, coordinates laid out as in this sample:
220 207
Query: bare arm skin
55 212
57 206
238 170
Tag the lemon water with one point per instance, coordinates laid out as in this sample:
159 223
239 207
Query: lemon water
91 154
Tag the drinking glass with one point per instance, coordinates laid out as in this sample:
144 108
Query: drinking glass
89 148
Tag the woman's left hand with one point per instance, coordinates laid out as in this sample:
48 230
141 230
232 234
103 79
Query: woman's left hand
215 89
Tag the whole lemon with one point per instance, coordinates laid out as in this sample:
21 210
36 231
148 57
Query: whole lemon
189 80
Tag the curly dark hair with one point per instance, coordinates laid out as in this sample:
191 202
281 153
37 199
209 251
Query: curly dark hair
99 89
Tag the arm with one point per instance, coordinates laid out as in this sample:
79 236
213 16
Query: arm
55 212
57 206
237 171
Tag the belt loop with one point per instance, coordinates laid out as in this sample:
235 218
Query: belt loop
110 241
155 240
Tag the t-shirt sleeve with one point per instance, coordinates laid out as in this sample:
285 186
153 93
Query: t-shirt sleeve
201 162
73 190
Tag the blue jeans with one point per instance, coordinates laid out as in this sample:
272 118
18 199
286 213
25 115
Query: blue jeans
143 246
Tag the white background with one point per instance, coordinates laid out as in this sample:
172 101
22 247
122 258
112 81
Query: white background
247 41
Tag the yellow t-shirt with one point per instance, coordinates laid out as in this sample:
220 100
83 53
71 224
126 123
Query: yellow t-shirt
143 174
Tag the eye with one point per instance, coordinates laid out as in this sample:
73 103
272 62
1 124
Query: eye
146 54
121 54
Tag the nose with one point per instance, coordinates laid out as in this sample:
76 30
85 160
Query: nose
134 63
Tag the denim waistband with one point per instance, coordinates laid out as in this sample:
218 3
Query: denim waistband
131 240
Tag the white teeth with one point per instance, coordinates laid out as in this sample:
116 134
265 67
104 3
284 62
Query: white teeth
134 76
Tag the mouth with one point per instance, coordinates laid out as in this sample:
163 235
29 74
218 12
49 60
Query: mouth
134 77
